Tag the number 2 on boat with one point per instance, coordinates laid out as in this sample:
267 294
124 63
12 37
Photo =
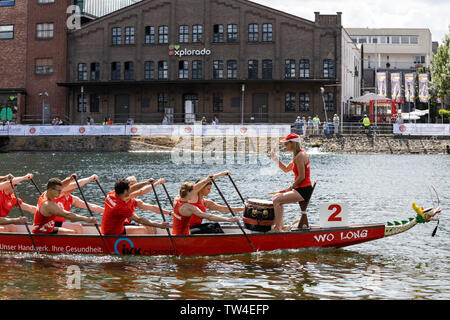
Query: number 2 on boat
333 215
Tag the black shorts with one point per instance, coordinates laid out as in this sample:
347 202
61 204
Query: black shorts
58 224
206 228
55 230
305 192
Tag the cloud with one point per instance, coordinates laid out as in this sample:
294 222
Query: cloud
426 14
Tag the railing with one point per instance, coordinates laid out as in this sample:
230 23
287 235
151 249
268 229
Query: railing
37 119
343 128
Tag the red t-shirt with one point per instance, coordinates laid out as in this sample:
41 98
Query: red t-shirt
194 219
43 224
180 226
7 202
115 214
307 181
64 202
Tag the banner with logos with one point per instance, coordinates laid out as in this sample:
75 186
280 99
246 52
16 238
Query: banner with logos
422 129
423 87
147 130
395 86
410 91
381 84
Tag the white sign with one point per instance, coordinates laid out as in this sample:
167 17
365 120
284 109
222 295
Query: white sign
333 215
422 129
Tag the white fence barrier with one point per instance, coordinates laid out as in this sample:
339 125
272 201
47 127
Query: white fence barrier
147 130
422 129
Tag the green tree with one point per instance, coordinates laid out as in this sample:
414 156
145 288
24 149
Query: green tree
440 71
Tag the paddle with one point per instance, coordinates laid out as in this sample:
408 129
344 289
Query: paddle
231 210
438 204
37 188
168 195
232 181
98 183
23 215
90 212
162 214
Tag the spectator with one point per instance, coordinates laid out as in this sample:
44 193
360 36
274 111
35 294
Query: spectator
92 122
304 126
316 122
60 122
216 121
203 121
54 122
110 122
165 121
336 124
298 125
366 122
105 121
130 122
88 121
325 130
310 125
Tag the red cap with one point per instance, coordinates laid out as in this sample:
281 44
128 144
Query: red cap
292 138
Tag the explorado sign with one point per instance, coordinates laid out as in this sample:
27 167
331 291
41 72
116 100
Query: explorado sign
175 51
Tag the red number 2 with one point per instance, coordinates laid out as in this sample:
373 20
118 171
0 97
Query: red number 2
334 217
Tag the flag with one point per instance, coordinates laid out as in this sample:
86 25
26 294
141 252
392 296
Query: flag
423 87
409 87
395 86
381 83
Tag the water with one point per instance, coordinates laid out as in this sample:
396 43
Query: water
377 188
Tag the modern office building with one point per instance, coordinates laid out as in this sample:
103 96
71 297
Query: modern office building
196 58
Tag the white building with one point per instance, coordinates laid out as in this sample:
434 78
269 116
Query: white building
389 48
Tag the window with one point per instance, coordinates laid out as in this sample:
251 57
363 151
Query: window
253 33
197 69
253 69
145 103
116 36
95 71
384 40
419 59
362 40
232 69
354 39
95 103
183 36
290 102
328 68
218 33
235 102
395 39
267 34
218 69
197 33
115 71
44 30
218 102
304 67
414 40
163 70
7 32
329 101
305 101
44 66
82 103
149 70
267 69
163 102
374 39
129 35
82 72
183 69
149 35
232 34
405 40
368 62
129 70
289 66
163 34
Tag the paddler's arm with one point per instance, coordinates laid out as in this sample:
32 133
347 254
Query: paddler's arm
6 221
50 208
281 165
77 202
146 206
72 186
138 186
187 209
299 161
147 189
145 222
18 180
65 183
6 178
211 205
202 183
6 186
29 208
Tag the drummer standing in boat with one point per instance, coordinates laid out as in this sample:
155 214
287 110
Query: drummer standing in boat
301 189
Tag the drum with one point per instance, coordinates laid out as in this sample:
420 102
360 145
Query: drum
259 215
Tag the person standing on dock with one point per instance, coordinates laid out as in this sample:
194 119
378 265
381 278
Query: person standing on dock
119 206
316 122
301 189
48 210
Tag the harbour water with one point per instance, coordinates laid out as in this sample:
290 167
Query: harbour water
377 188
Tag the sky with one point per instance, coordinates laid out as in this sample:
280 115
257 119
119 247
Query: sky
428 14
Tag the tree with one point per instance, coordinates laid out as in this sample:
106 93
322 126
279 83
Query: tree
440 70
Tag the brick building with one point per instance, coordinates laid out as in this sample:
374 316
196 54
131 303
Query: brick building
195 58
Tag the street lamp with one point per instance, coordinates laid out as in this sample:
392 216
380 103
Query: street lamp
242 104
43 95
322 90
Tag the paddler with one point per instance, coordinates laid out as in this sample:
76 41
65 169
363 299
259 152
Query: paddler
184 208
119 206
8 201
67 200
48 209
301 189
196 225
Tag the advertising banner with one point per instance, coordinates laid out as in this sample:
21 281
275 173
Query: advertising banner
410 91
381 84
422 129
395 86
423 87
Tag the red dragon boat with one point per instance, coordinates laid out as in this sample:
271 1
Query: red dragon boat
232 241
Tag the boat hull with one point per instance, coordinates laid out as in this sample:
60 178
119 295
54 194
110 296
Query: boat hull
214 244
